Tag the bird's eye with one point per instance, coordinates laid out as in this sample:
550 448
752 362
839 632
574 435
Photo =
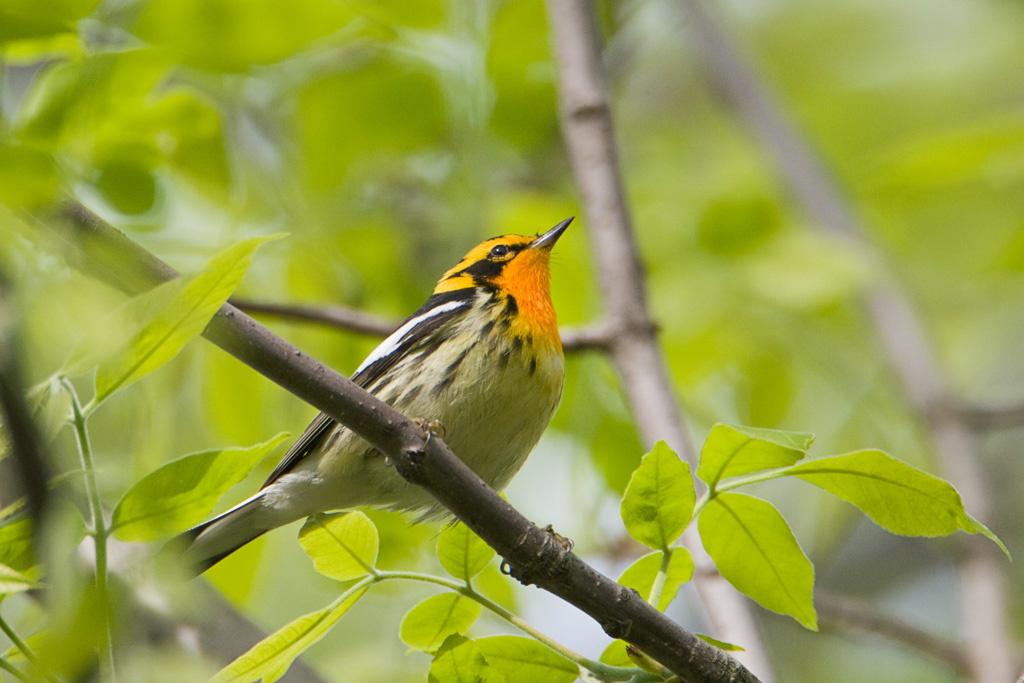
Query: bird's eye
499 251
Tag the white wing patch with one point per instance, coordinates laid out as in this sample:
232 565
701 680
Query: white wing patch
391 343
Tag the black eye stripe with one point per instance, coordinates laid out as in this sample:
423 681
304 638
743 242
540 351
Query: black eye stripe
505 252
483 270
488 267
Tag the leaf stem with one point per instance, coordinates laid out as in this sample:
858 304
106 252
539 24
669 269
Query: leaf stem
756 478
733 483
89 407
659 580
20 644
24 649
99 531
600 670
9 668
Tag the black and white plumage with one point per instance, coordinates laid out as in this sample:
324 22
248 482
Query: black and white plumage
482 356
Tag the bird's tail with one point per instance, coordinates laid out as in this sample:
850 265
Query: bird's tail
205 545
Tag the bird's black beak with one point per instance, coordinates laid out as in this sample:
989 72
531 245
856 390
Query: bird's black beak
548 239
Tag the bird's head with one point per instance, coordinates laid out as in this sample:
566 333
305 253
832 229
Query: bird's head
514 267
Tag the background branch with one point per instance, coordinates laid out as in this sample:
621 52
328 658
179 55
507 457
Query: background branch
25 472
339 317
983 596
589 138
992 417
841 612
220 634
533 554
595 336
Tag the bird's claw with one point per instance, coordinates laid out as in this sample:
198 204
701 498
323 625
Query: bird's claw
561 540
430 426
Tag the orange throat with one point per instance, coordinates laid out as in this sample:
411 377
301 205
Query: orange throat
526 279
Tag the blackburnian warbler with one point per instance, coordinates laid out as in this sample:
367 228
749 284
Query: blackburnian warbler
482 357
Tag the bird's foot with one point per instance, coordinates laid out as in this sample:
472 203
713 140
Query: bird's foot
430 426
561 540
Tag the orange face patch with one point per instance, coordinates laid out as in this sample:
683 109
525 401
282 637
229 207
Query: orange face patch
527 279
523 275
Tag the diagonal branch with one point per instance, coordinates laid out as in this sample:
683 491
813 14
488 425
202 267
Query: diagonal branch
983 595
533 554
590 141
221 634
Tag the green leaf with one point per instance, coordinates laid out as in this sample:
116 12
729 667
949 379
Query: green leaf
646 663
897 497
426 625
12 581
20 19
659 500
16 543
754 549
524 660
107 338
51 405
459 660
386 90
182 493
641 575
34 641
31 177
342 545
463 554
191 304
731 451
129 188
270 658
232 35
720 644
615 654
980 528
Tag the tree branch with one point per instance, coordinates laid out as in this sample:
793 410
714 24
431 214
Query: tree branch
533 554
984 418
595 336
983 595
841 612
222 634
27 460
590 141
340 317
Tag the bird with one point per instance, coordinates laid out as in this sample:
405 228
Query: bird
480 361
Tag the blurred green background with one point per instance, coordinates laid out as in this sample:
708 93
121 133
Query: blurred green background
387 138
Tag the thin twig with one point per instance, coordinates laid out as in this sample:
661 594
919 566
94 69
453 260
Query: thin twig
842 612
592 337
340 317
532 554
590 141
983 595
984 418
